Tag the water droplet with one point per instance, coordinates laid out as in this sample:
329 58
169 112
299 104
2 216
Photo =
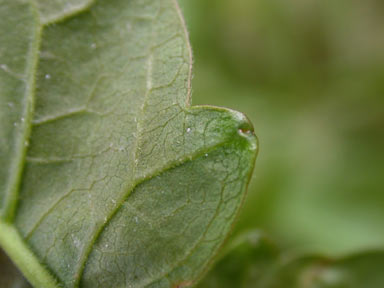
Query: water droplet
93 45
113 201
15 124
106 245
206 154
22 119
136 219
47 76
4 67
188 130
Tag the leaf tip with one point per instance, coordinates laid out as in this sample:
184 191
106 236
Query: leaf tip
246 130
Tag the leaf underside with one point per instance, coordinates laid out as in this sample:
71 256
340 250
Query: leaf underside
107 175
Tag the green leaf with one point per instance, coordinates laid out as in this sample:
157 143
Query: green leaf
108 177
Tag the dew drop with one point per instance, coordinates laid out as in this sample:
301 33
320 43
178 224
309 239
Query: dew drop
22 119
47 76
188 130
4 67
206 154
106 245
93 45
136 219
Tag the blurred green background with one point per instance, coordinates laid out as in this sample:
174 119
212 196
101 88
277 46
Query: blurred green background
310 76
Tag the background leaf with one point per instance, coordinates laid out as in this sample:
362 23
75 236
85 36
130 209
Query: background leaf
355 271
246 262
252 261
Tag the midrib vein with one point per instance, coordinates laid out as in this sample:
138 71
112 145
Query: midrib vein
17 165
10 239
29 264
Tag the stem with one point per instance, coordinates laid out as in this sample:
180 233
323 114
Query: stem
24 259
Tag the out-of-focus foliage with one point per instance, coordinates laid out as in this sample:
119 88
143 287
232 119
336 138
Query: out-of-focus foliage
252 261
358 271
246 262
310 76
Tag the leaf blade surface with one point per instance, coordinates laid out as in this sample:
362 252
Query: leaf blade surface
112 117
